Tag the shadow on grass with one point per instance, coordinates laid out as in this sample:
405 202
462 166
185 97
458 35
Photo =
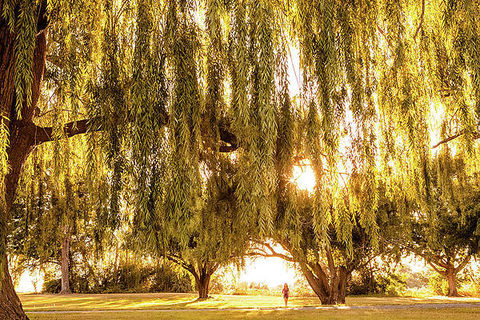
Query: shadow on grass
210 302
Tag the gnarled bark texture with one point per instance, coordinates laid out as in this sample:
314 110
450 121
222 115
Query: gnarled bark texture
330 287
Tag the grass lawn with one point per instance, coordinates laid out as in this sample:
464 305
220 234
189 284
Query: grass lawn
145 301
137 306
445 314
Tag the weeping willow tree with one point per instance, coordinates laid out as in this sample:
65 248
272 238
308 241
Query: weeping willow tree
52 211
448 234
373 71
186 209
368 107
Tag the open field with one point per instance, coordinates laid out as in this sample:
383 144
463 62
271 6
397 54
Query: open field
185 306
448 314
146 301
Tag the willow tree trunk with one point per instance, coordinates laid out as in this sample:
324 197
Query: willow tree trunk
329 289
10 305
452 282
22 140
202 283
65 265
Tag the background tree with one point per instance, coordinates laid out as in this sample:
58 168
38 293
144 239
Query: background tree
447 235
216 236
53 210
189 212
328 265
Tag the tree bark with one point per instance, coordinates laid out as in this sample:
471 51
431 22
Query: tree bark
452 282
10 305
202 279
344 276
65 265
329 289
202 283
21 143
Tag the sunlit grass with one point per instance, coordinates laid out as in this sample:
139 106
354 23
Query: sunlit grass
149 301
43 302
444 314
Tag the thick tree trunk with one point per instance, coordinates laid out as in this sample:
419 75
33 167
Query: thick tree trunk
330 290
452 282
202 283
22 140
342 285
10 305
65 265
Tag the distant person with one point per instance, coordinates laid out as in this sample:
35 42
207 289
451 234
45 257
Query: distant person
286 293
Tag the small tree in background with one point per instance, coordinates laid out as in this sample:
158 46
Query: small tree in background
447 234
54 216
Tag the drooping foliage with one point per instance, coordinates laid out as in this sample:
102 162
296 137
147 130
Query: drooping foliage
448 234
185 91
52 212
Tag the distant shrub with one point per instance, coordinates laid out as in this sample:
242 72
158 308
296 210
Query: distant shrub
124 278
52 286
167 280
392 284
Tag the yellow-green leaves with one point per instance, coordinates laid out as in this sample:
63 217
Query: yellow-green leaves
26 31
183 195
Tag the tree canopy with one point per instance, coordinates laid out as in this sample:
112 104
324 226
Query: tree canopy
175 93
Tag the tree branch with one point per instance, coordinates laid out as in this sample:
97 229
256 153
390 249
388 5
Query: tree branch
442 273
384 35
42 20
45 134
263 253
427 258
476 135
179 261
462 264
421 20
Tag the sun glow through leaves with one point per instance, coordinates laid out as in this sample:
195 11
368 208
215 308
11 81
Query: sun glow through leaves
304 177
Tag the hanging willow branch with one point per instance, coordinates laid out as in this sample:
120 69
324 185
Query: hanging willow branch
421 20
475 136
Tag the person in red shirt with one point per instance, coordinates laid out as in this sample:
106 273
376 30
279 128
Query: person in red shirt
286 293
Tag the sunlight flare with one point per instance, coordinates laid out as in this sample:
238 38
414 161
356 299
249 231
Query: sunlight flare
304 177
